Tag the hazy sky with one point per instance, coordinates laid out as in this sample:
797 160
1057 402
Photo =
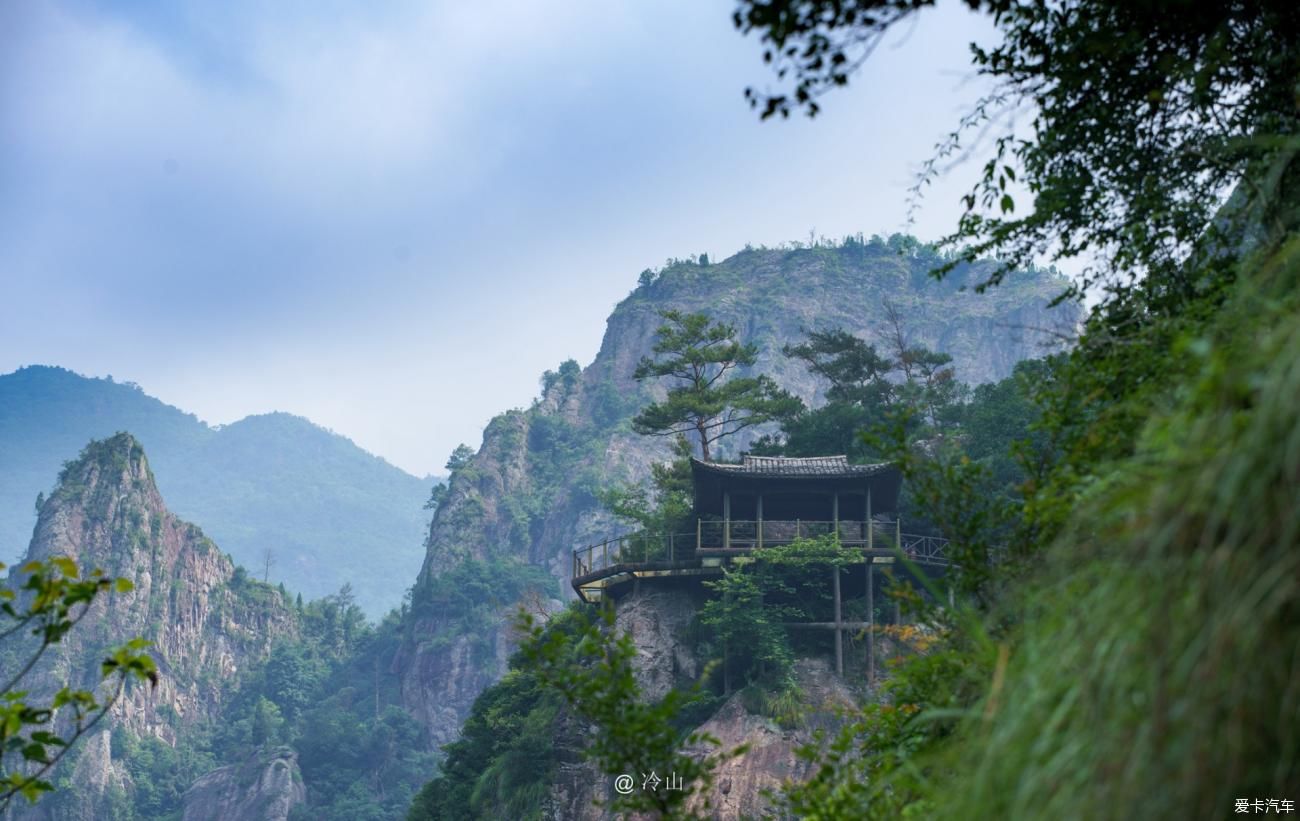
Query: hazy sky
391 218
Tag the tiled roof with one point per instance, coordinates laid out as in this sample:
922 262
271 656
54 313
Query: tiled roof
791 466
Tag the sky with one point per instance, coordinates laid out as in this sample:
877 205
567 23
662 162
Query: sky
392 218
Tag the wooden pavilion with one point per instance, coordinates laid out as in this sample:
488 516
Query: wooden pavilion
771 500
767 501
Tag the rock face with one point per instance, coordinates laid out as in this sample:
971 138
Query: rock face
770 759
530 492
263 788
206 620
657 618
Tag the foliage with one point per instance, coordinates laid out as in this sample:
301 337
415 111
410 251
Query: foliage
160 773
1186 586
1149 548
472 593
323 694
753 600
1144 116
324 690
857 372
668 510
880 763
868 389
35 734
460 457
567 377
707 403
750 633
436 496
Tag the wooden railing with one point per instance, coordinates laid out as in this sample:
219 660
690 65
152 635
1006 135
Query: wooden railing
739 533
633 548
927 549
639 549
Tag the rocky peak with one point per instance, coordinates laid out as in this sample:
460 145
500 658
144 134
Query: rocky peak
205 618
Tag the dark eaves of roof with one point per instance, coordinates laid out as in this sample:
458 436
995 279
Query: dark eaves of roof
794 466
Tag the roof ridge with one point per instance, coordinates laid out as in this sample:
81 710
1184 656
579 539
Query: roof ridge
837 458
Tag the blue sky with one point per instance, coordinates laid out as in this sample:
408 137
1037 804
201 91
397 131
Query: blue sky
391 218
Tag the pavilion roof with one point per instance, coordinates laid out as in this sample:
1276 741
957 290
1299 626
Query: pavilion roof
781 467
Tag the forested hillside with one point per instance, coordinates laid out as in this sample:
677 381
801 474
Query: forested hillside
328 512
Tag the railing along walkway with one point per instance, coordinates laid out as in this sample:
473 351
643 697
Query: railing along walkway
630 553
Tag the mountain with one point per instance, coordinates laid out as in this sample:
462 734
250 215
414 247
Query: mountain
529 495
329 512
266 706
207 621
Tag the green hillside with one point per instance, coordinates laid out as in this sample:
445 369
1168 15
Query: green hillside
329 512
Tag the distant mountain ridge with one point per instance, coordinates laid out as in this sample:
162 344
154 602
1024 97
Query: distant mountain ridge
330 512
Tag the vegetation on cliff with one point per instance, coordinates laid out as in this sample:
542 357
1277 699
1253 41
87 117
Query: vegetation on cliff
36 733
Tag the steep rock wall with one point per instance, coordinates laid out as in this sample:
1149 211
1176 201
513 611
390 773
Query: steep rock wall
206 622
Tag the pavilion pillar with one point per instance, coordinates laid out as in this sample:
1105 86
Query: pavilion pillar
759 514
871 531
871 621
835 513
839 621
726 519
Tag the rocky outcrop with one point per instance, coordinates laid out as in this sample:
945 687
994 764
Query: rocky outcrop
578 783
657 618
530 492
206 620
266 787
770 757
444 678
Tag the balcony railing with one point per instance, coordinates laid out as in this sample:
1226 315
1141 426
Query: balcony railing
638 550
743 534
633 548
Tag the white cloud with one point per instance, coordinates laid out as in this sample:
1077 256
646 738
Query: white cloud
244 206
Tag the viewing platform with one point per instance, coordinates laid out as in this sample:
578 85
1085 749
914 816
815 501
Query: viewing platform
622 559
762 502
766 502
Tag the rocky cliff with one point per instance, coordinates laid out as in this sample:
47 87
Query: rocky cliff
206 620
529 494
